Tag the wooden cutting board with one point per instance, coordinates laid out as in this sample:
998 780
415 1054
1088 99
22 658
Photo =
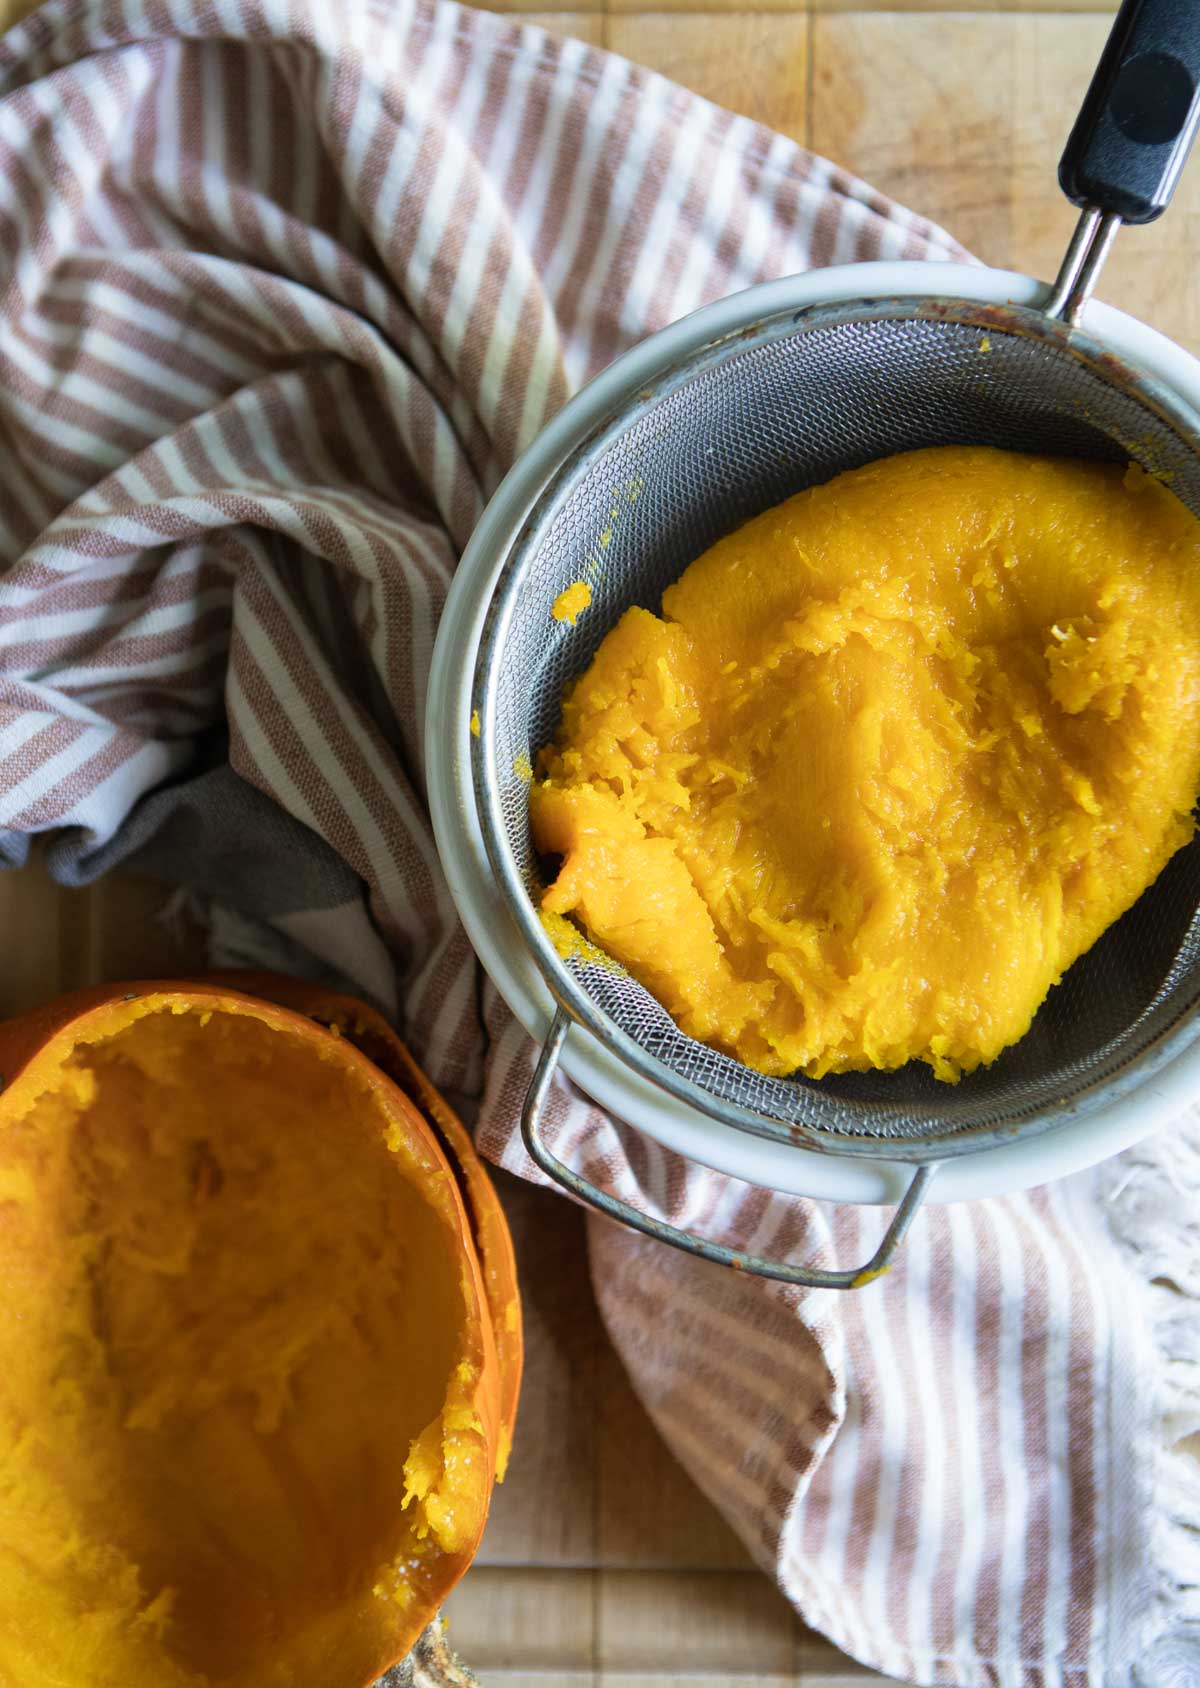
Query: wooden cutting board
602 1564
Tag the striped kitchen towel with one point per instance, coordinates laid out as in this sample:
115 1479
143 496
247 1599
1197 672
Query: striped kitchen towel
286 286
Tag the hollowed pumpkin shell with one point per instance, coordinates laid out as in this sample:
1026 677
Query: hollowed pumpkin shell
251 1402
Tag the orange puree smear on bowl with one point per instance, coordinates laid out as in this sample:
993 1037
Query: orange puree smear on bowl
571 602
895 754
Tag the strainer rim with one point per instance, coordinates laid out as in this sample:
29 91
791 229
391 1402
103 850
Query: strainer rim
1104 1087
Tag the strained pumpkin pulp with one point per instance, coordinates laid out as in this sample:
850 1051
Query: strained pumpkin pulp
892 757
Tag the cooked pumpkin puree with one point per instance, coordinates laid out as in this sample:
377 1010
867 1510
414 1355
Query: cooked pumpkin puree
893 756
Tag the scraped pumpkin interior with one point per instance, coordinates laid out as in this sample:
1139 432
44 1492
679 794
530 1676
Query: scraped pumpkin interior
237 1430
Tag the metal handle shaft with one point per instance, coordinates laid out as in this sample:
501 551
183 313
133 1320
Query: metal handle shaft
1094 234
785 1271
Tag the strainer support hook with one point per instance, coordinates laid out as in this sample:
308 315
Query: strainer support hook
783 1271
1090 244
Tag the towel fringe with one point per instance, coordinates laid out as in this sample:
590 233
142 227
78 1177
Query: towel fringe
1151 1198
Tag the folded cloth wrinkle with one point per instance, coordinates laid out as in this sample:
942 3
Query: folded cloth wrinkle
288 288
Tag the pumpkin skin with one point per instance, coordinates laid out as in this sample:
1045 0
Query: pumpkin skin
250 1397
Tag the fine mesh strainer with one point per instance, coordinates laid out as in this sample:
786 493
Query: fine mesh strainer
787 401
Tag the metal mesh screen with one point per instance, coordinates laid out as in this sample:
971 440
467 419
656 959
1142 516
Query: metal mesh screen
741 430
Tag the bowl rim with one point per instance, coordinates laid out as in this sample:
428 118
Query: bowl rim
1163 1089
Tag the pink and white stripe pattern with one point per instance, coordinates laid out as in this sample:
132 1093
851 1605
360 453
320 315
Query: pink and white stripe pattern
286 286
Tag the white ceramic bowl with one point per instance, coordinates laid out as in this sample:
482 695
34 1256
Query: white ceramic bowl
1078 1142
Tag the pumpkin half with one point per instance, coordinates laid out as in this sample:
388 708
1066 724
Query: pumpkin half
251 1399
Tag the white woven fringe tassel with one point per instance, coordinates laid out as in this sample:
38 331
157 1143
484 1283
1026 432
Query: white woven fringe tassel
1151 1199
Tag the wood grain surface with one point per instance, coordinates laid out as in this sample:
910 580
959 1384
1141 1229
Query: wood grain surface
602 1565
960 113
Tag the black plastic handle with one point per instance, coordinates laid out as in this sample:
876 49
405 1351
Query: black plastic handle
1139 119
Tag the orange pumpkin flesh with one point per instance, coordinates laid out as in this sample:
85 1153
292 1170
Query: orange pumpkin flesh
249 1394
370 1032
